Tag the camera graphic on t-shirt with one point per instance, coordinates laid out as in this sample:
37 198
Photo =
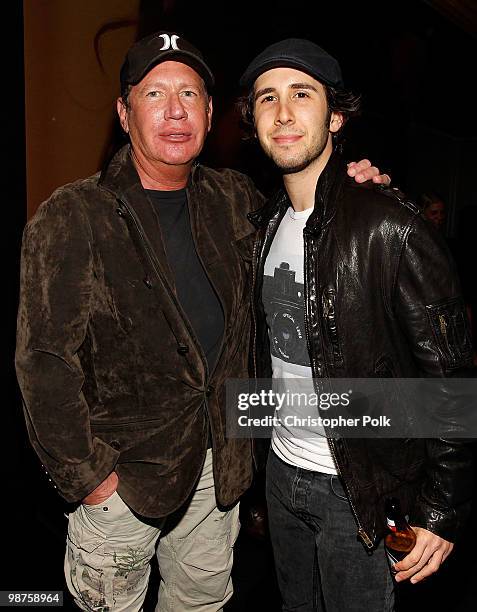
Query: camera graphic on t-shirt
283 299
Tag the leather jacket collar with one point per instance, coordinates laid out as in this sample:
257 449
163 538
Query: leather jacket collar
326 196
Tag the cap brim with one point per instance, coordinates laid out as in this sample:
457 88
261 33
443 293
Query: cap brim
252 73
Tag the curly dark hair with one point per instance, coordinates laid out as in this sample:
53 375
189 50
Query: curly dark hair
339 100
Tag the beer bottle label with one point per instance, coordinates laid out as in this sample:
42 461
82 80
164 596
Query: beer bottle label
391 524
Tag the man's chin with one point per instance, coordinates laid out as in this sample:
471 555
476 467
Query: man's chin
288 164
291 167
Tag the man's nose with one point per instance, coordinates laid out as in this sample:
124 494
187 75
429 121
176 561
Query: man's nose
284 114
174 108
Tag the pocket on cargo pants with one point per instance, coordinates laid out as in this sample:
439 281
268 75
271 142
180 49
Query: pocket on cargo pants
108 555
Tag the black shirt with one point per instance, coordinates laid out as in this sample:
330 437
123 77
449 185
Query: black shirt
194 290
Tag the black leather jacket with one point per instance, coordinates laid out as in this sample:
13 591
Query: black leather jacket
381 299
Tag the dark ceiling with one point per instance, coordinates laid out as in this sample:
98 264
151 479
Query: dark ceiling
461 12
412 60
414 57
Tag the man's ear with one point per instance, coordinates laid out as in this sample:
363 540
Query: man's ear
336 122
123 114
210 109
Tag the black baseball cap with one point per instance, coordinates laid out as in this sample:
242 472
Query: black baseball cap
160 47
296 53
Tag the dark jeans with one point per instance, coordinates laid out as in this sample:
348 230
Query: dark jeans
321 564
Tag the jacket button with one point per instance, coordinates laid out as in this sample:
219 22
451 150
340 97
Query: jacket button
209 391
148 283
183 349
115 444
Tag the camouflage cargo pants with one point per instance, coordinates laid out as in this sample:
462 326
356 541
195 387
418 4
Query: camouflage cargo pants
108 553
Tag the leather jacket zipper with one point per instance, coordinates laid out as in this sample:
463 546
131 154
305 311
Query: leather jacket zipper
361 532
263 245
254 314
443 325
443 328
330 316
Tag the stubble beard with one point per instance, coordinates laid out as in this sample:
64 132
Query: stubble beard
302 160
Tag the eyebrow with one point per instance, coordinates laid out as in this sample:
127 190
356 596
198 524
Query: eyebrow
164 84
267 90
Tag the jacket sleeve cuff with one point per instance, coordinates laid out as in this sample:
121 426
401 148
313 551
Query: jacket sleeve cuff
76 480
447 524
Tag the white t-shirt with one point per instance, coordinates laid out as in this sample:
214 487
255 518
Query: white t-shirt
283 300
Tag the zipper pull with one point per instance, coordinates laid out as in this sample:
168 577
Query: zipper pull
364 536
443 325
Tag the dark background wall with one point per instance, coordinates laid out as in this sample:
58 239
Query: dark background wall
414 63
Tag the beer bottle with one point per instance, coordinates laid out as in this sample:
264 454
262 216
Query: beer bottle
401 539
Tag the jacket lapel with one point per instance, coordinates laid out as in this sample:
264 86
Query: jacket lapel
122 180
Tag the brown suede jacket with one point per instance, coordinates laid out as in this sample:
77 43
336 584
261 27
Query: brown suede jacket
111 373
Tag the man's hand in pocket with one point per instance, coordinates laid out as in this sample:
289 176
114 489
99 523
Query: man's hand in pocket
102 491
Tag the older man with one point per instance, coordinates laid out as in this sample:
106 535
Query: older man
133 312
